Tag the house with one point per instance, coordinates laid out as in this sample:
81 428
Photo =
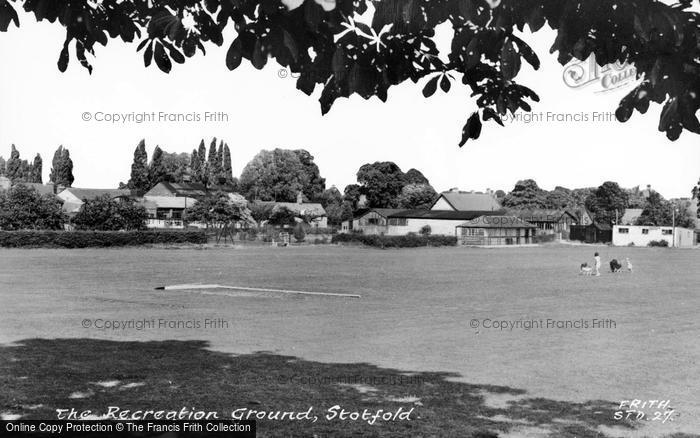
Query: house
456 200
549 221
166 211
642 235
399 222
73 198
496 230
595 232
312 212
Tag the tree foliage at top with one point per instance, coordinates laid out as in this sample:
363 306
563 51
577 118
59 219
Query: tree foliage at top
527 195
280 174
62 168
385 185
365 47
608 203
139 179
19 170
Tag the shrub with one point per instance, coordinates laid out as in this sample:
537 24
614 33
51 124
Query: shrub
23 208
107 214
660 243
425 230
87 239
407 241
299 233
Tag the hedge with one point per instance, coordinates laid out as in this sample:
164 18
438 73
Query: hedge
86 239
407 241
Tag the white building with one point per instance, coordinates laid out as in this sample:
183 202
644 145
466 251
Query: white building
641 235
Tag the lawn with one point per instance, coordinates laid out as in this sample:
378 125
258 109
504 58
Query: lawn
408 343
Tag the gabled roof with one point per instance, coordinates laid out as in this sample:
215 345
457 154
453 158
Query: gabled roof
469 201
497 222
170 201
194 189
44 189
95 193
443 214
631 215
425 214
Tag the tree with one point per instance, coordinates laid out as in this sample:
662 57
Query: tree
352 194
195 166
156 170
279 175
203 174
657 211
3 165
607 203
214 211
23 208
323 44
226 166
417 196
560 198
139 179
213 165
61 168
316 184
381 182
14 165
37 168
282 216
415 176
500 194
107 214
177 166
526 195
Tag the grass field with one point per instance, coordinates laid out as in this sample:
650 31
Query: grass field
409 342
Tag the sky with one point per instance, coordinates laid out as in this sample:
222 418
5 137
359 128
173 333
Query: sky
41 108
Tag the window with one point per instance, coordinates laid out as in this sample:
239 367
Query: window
645 230
624 230
373 221
666 232
398 221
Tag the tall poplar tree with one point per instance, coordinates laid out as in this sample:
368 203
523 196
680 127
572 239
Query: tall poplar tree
139 169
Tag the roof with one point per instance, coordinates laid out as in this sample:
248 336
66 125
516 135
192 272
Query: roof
95 193
470 201
427 214
170 201
194 189
304 208
496 222
631 215
542 215
44 189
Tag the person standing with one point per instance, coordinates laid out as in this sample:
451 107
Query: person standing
597 264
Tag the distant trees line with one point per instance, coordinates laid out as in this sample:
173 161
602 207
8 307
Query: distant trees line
607 202
19 170
281 174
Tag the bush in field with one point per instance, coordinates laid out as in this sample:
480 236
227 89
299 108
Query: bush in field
407 241
658 243
107 214
425 230
87 239
299 233
23 208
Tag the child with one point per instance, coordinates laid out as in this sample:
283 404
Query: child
597 264
629 265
